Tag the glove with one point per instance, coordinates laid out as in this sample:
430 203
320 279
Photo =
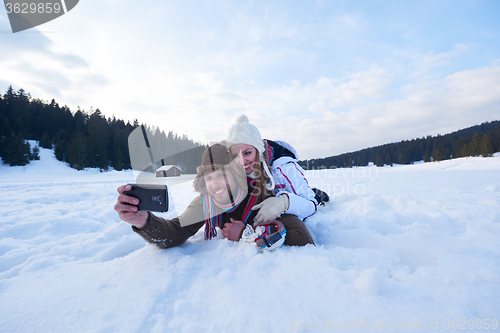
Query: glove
266 237
250 234
271 208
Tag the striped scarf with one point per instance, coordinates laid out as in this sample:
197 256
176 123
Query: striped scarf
213 212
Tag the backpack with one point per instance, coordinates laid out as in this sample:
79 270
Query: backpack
277 149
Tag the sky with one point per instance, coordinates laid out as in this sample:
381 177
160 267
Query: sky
328 77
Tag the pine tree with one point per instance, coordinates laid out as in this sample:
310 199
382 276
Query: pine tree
427 156
16 151
59 151
98 140
45 142
437 155
117 163
5 128
34 154
475 145
447 154
388 159
458 148
486 146
465 151
76 154
495 139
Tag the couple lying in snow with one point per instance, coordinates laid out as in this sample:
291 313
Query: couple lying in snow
251 189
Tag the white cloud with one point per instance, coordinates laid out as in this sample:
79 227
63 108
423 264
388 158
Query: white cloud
457 101
336 115
423 64
327 77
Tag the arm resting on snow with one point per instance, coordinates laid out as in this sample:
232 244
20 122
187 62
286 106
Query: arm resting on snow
169 233
300 206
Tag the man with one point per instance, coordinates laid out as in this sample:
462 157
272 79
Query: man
225 202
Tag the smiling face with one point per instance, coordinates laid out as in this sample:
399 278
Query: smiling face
219 183
246 156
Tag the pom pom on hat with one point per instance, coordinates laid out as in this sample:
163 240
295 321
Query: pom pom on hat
242 119
244 132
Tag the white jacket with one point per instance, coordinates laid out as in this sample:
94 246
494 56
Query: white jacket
290 179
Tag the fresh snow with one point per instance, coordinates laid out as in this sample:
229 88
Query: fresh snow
406 247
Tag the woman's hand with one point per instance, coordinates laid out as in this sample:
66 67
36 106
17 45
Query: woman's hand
233 230
270 209
126 206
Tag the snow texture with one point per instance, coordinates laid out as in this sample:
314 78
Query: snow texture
405 247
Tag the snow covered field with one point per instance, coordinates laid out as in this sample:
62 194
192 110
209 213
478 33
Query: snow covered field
407 248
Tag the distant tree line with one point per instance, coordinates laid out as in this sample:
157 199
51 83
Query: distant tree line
478 140
82 139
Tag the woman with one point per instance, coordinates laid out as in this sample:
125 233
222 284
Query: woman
285 177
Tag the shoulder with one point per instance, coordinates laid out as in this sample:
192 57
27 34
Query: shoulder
282 161
276 150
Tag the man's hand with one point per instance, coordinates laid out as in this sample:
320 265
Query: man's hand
128 213
270 209
233 230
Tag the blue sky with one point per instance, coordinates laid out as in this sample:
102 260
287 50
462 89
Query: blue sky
327 76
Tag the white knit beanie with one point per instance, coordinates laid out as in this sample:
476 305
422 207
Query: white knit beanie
244 132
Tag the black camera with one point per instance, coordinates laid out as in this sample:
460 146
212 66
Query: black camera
152 198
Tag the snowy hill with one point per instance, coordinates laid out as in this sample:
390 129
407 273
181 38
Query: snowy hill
409 247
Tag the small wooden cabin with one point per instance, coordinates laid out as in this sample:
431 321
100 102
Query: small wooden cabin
168 171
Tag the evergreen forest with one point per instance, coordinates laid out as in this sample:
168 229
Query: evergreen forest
81 139
477 140
90 140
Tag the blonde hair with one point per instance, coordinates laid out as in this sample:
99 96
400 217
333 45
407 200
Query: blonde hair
260 179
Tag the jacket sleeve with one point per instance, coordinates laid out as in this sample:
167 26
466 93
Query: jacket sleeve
169 233
290 180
